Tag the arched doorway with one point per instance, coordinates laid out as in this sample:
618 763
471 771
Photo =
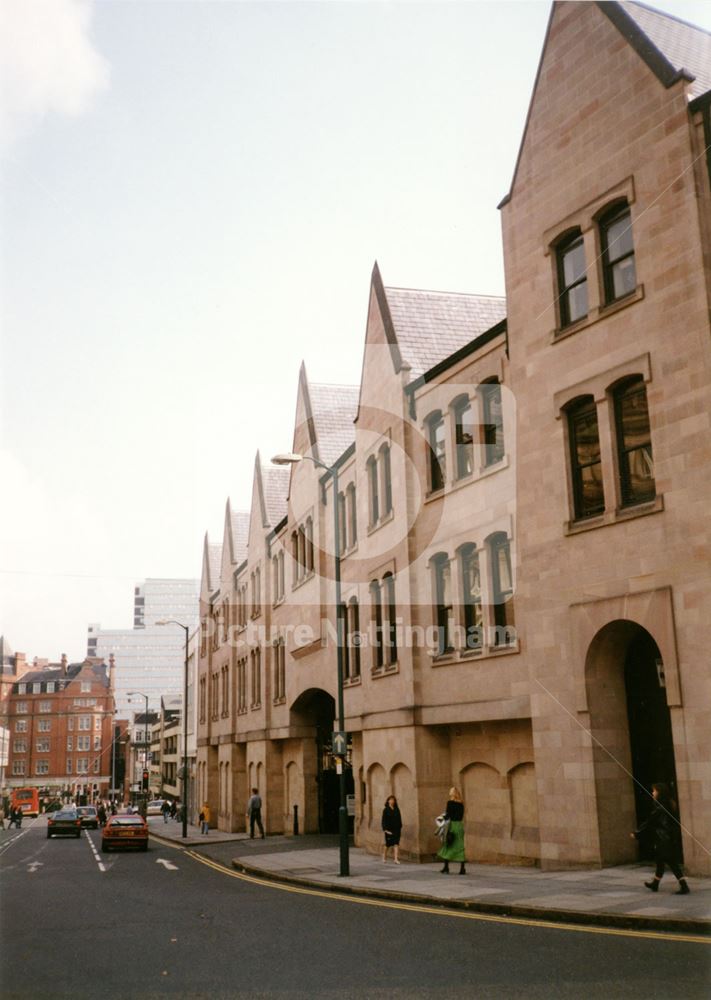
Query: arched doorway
315 711
632 734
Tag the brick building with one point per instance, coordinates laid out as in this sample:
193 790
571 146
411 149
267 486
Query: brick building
522 507
61 726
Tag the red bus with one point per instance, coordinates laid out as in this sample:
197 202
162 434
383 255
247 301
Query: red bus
26 800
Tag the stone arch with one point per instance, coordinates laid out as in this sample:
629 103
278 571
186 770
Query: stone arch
378 791
523 797
487 810
293 789
403 788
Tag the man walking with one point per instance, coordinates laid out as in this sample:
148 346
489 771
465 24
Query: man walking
254 812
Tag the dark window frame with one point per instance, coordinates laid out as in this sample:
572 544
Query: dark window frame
437 464
576 412
616 213
625 391
441 565
565 246
464 449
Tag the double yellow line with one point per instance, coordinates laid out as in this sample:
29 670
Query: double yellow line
438 912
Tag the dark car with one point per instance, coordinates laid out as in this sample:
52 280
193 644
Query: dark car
89 817
125 830
64 823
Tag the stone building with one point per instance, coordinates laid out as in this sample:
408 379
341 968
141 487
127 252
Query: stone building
522 508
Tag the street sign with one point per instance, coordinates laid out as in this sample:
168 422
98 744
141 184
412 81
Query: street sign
350 804
339 744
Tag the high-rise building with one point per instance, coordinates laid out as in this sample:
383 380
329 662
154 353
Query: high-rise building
149 658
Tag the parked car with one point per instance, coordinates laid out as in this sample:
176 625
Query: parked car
89 817
155 807
65 823
125 830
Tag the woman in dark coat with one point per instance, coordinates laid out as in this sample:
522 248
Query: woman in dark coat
453 847
392 828
663 825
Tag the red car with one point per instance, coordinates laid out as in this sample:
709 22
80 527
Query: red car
125 831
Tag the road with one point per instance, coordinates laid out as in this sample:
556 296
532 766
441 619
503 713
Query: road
81 924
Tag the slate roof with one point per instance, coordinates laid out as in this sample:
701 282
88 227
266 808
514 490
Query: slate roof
432 325
275 484
333 408
239 525
685 45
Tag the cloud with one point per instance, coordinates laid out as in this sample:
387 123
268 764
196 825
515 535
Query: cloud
47 63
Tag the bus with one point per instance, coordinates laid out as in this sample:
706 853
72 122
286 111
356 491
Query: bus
26 800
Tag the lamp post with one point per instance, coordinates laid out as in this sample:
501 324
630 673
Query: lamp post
291 458
140 694
186 628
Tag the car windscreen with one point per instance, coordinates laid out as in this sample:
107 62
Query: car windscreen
126 821
66 814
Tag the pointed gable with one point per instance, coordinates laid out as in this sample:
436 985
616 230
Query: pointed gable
333 408
211 562
234 540
275 485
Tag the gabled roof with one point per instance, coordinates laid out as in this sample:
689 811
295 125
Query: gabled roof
211 565
237 532
685 47
672 49
333 408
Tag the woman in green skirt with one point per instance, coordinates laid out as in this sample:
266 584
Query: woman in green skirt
453 847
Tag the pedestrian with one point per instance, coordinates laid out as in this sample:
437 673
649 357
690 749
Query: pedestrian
453 847
18 818
173 809
165 809
2 816
254 813
101 813
664 827
392 828
205 819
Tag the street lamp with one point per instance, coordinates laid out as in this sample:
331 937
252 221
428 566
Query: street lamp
186 628
292 458
140 694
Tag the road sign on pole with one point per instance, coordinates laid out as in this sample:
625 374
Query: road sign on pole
339 744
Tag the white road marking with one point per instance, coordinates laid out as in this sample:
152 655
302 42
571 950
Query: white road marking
100 863
32 868
171 867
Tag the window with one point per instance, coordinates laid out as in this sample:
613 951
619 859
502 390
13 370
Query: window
69 765
97 722
242 685
387 486
97 743
70 745
309 563
21 707
42 767
373 491
36 688
390 632
18 767
21 726
42 746
83 742
203 698
44 725
22 689
443 602
96 765
377 623
351 665
342 527
502 584
82 765
437 451
279 670
618 267
585 462
70 722
45 706
493 423
464 436
634 444
19 746
256 678
351 515
572 279
85 687
278 576
472 618
51 688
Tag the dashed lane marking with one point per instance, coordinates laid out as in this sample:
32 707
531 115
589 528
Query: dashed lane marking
97 858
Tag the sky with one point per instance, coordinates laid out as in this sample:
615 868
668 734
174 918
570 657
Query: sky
192 198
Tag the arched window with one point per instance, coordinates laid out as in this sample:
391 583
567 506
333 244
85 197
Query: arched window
296 568
502 587
464 436
443 602
302 552
354 637
342 533
634 443
493 422
376 614
373 494
387 488
572 279
472 617
437 450
309 546
618 266
390 631
351 515
585 462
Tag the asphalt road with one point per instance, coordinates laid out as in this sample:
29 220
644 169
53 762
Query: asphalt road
77 923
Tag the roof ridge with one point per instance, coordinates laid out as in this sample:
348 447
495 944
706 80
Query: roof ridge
670 17
435 291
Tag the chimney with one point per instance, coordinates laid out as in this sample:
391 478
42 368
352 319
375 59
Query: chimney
64 664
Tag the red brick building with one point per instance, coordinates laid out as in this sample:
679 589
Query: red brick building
60 721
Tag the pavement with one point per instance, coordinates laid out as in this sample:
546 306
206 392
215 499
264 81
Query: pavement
611 897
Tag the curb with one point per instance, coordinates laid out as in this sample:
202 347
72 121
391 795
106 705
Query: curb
621 921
